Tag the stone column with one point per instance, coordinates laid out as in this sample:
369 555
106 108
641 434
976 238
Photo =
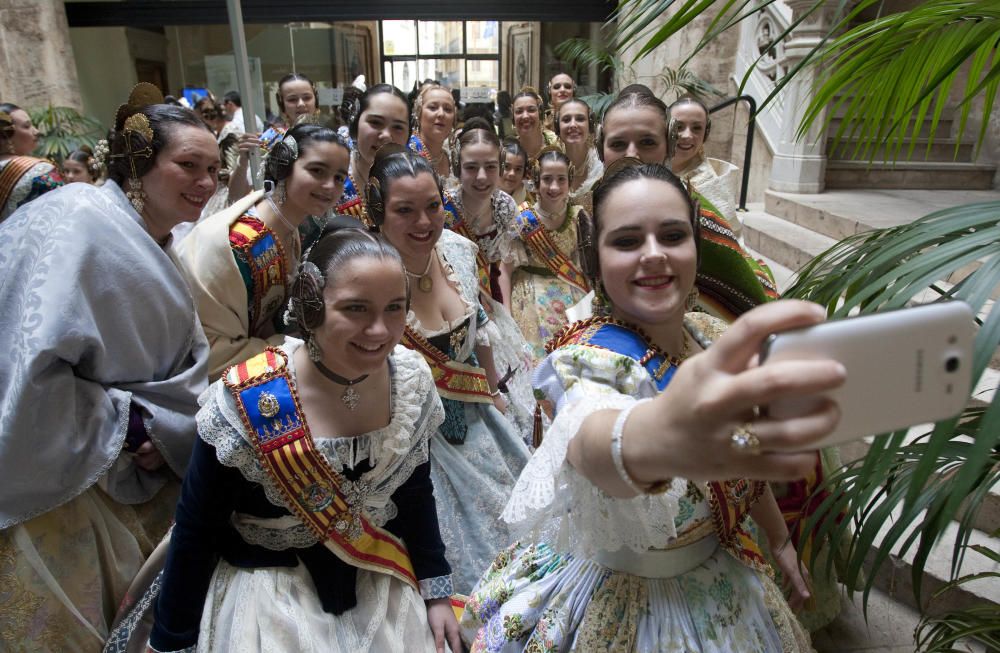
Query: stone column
800 162
36 58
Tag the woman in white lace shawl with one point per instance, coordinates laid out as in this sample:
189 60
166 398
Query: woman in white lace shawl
104 361
629 544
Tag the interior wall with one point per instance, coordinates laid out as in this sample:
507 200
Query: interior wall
35 55
105 67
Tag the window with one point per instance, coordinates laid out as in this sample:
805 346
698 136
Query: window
456 53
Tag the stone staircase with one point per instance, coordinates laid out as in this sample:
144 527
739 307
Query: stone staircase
941 164
790 229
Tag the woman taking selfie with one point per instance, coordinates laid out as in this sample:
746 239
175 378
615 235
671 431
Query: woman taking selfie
631 542
477 452
730 282
307 518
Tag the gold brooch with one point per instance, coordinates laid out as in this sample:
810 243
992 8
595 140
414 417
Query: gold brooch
268 404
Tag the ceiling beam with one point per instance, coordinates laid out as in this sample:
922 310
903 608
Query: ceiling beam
158 13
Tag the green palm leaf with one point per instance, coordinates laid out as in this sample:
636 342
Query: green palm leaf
903 494
62 130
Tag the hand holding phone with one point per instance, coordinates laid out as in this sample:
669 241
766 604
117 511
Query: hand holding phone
904 367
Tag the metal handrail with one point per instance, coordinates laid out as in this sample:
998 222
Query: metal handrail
751 128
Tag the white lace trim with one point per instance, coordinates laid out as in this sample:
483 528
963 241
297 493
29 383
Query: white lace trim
552 501
398 448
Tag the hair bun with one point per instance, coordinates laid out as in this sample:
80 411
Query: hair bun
387 150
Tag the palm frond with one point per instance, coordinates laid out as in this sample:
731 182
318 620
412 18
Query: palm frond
940 634
904 494
582 53
889 75
62 130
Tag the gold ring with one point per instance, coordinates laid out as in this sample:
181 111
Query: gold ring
744 440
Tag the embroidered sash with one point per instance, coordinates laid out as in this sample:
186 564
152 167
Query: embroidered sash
453 220
603 333
12 173
729 501
454 380
534 234
265 256
330 505
351 203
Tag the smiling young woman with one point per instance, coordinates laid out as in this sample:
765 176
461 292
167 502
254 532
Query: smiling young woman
541 264
381 118
434 119
106 360
477 452
631 549
356 414
240 260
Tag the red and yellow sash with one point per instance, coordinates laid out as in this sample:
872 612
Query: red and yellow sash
455 222
12 173
534 234
331 506
454 380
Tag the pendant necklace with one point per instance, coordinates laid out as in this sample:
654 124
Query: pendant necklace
424 280
351 397
281 216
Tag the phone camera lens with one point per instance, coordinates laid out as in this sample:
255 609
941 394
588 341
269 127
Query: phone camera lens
952 364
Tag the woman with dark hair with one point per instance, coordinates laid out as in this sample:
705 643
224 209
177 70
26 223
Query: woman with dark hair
22 176
435 116
514 171
481 212
730 281
81 165
380 118
476 454
632 539
296 98
574 125
105 361
240 261
307 518
541 264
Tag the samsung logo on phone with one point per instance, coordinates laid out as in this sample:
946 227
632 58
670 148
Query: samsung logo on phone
919 381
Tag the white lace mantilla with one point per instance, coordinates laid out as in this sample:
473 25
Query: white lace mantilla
552 502
394 451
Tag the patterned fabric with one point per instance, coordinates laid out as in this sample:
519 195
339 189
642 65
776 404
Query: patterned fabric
539 299
271 135
584 194
491 239
352 203
472 481
261 260
40 178
438 587
550 593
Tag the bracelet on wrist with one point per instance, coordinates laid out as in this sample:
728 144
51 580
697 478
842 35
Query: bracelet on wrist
617 433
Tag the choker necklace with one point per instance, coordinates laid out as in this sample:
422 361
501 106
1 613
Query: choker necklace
424 280
281 216
351 397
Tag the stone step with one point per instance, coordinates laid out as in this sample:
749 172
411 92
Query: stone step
784 242
943 130
941 150
894 576
908 174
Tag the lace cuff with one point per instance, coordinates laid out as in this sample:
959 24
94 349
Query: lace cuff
186 649
438 587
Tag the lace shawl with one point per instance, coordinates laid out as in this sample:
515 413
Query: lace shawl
551 500
394 450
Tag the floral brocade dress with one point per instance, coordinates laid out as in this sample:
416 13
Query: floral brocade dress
477 453
539 294
667 573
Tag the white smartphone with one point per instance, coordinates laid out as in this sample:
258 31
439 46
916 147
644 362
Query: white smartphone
904 367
